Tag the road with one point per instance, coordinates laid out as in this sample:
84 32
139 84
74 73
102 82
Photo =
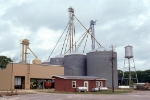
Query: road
136 95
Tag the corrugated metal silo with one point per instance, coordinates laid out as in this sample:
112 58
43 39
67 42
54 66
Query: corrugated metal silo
75 64
46 62
57 60
98 64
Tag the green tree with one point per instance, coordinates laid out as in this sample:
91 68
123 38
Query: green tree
4 61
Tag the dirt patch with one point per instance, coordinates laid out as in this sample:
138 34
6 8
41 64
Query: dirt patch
16 92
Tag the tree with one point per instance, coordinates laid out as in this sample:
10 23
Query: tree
4 61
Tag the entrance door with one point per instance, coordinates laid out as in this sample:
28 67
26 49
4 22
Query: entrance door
86 84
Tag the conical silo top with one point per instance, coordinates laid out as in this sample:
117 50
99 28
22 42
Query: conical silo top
46 62
75 53
101 48
59 56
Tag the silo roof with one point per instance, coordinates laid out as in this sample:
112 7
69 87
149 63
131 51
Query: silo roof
46 62
59 56
101 48
79 77
75 53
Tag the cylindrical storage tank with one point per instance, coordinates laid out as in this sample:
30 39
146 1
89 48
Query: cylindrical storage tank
128 51
99 65
57 60
46 62
75 64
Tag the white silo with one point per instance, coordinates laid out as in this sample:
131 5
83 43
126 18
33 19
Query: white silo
129 55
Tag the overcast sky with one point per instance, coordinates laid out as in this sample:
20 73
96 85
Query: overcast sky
119 23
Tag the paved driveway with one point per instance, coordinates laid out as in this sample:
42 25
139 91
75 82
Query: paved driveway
136 95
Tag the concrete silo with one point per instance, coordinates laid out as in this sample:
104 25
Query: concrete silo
98 64
75 64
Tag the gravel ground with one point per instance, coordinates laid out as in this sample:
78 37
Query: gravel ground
135 95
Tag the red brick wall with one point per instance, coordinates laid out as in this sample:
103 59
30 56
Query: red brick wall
66 85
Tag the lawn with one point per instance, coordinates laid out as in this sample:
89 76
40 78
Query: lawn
100 92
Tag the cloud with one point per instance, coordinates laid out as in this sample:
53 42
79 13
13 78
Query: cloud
119 23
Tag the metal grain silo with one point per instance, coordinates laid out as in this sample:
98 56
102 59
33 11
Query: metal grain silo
57 60
98 64
46 62
128 51
75 64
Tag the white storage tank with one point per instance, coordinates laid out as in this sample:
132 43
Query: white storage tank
128 51
36 61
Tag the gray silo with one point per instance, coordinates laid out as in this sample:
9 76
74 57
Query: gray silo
57 60
46 62
98 64
75 64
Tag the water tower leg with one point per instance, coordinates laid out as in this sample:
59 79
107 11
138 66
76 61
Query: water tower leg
135 71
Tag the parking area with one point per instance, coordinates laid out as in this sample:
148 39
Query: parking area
135 95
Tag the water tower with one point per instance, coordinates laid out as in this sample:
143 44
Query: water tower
129 67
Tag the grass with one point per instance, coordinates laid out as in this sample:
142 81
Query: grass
100 92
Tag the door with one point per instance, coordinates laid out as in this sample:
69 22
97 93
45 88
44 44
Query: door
86 85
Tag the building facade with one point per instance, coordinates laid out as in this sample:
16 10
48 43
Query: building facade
20 74
70 83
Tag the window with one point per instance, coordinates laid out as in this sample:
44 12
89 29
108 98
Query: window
99 83
73 84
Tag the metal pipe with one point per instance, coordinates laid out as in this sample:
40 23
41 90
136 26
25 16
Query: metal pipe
92 23
22 52
32 52
26 53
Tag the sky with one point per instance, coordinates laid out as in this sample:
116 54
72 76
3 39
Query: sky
119 23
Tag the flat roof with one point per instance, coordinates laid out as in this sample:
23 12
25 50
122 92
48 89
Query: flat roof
79 77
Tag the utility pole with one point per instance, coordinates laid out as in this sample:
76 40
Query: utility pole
112 65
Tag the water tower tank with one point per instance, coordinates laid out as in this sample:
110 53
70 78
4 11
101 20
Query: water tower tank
75 64
128 51
98 64
57 60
